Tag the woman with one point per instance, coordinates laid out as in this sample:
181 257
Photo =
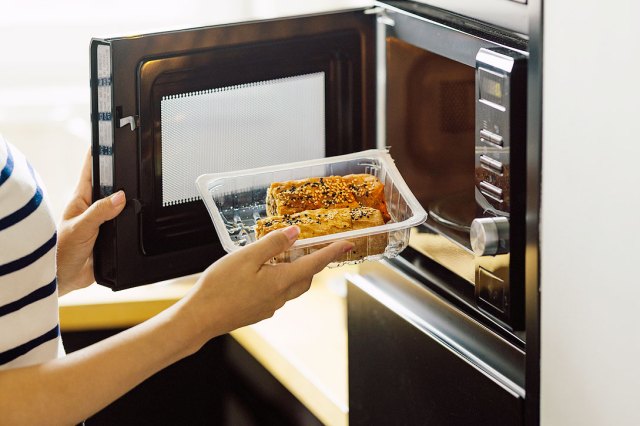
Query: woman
38 385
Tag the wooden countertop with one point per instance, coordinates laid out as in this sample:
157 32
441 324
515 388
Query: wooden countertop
304 345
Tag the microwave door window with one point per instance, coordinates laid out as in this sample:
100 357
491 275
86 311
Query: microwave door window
239 127
229 110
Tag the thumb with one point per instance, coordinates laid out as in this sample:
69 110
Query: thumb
104 210
272 244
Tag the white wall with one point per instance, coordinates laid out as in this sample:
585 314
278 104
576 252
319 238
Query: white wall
590 259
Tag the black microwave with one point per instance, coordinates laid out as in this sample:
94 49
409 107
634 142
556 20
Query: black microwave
454 114
445 93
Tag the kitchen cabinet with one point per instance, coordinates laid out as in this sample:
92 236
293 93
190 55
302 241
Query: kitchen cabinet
290 369
414 359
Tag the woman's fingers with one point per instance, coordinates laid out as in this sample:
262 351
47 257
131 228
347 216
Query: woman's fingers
315 262
300 272
101 211
271 245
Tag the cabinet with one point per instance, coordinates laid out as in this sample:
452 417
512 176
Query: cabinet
221 384
414 359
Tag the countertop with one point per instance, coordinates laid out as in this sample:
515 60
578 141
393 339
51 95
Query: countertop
304 345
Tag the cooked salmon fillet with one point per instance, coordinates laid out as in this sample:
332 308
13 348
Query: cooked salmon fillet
329 192
318 222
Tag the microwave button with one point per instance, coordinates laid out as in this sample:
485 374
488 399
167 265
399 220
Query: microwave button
492 197
491 164
491 191
487 136
486 186
491 289
490 236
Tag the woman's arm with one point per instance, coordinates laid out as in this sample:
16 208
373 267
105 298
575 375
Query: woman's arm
237 290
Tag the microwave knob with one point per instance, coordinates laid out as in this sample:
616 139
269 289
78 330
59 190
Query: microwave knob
490 236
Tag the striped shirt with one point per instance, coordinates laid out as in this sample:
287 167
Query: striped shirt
29 330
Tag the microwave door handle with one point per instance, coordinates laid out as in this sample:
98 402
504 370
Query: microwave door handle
131 120
432 316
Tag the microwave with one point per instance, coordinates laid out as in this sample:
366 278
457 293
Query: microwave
445 93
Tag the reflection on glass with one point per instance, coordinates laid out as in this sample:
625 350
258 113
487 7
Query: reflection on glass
430 129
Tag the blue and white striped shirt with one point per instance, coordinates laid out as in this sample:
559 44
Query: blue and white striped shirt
29 330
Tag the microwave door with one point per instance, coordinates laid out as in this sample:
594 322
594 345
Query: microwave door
167 107
455 100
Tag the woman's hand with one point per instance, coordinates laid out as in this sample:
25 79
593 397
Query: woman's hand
241 288
78 231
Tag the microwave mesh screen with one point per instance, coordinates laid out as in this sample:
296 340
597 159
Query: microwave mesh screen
458 113
239 127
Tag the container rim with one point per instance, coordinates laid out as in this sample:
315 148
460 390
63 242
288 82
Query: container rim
207 181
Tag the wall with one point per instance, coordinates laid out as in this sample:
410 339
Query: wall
590 275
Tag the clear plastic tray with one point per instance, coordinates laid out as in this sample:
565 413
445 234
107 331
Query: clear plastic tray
235 201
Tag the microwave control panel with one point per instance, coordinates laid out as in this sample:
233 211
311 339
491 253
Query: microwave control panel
500 164
497 97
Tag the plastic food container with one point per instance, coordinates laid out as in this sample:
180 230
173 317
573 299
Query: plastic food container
235 200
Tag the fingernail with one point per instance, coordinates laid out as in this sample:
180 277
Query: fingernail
117 198
291 232
347 248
